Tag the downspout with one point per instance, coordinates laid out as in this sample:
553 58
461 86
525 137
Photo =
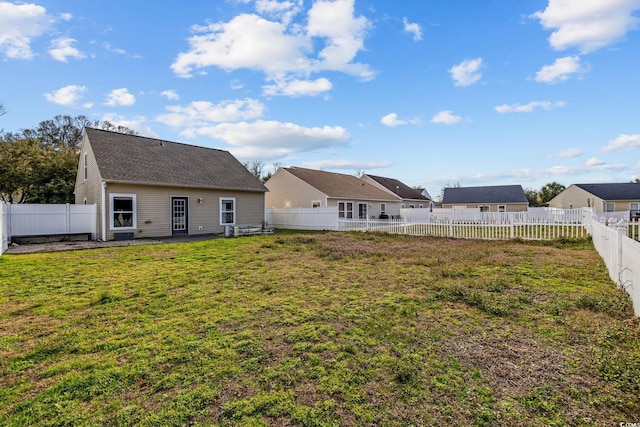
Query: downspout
103 212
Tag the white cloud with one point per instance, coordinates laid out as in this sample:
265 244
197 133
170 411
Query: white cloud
19 25
560 70
61 49
138 123
120 97
528 108
594 161
569 153
392 120
467 72
330 41
282 10
202 113
272 139
296 88
68 95
588 24
170 94
623 142
346 164
446 118
413 29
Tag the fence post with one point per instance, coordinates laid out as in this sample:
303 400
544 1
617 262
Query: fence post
511 230
450 227
68 224
621 233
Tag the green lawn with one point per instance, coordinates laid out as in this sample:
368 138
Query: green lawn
317 329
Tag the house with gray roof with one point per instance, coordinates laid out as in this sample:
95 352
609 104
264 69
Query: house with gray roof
295 187
411 197
608 197
147 187
497 198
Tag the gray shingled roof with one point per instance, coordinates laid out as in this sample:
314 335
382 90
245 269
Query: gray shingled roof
337 185
140 160
399 188
613 191
491 194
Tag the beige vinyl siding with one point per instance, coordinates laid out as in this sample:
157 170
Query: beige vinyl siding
288 191
373 208
153 209
493 207
91 188
575 197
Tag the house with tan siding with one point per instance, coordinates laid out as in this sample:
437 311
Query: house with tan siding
295 187
146 187
495 198
411 197
608 197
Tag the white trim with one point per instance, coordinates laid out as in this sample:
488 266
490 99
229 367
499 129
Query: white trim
502 208
85 172
366 210
606 206
103 211
319 202
233 199
345 211
134 213
383 208
187 213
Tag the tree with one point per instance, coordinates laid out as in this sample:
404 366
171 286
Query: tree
549 191
448 185
533 196
3 111
255 168
39 165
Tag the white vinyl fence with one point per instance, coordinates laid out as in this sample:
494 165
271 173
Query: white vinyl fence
4 227
303 218
45 220
621 255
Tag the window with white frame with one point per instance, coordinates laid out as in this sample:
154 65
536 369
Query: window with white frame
123 211
84 166
345 210
315 204
609 207
227 211
484 208
634 208
502 208
383 208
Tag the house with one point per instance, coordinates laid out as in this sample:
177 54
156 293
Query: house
498 198
610 197
296 187
146 187
411 197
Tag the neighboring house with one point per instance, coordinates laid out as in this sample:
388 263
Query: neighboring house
608 197
411 197
296 187
498 198
147 187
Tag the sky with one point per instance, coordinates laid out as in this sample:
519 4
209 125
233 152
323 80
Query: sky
431 92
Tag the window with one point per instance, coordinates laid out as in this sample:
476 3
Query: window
123 211
484 208
609 207
502 208
634 208
315 204
383 208
84 166
402 206
362 210
412 206
345 210
227 211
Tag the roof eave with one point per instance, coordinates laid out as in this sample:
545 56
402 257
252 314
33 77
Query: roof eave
170 184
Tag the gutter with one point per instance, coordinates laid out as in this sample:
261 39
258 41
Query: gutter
103 211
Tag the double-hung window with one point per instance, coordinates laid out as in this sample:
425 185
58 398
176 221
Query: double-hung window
345 210
227 211
484 208
123 211
610 207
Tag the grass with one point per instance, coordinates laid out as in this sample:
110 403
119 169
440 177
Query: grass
317 329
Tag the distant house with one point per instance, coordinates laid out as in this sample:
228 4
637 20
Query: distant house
499 198
610 197
296 187
411 197
147 187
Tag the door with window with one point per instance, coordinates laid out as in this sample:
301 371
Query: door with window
179 215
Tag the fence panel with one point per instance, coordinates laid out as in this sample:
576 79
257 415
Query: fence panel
303 218
4 226
51 219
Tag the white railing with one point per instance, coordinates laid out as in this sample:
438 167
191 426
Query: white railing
52 219
4 227
498 227
621 255
303 218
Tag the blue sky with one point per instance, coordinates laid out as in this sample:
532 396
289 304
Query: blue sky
431 92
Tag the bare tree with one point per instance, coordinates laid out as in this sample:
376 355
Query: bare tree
3 110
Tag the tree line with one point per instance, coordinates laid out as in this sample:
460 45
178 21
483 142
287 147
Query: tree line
39 165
